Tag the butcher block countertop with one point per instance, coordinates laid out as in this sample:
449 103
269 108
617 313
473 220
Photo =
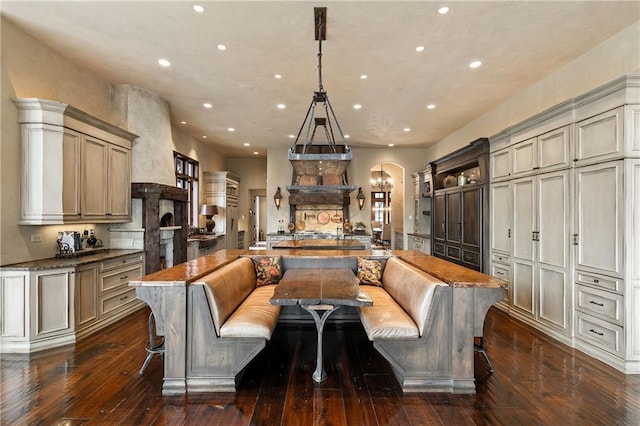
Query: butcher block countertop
450 273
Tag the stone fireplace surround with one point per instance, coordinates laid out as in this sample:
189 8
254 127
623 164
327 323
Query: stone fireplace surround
167 240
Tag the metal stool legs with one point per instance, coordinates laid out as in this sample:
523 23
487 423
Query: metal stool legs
155 345
480 347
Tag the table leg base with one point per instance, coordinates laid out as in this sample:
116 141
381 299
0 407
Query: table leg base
319 375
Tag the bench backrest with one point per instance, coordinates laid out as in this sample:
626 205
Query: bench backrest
412 288
306 262
227 287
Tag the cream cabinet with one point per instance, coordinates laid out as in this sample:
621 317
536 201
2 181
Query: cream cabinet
221 189
54 306
75 167
588 296
500 164
547 152
599 242
501 216
540 259
37 309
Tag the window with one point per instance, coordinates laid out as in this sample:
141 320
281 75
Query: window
187 178
381 207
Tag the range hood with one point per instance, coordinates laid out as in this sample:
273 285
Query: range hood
320 171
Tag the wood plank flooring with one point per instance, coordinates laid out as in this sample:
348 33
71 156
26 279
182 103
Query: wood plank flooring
537 382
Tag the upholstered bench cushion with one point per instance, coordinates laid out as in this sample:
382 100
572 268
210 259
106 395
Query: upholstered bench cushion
412 288
385 319
227 287
255 317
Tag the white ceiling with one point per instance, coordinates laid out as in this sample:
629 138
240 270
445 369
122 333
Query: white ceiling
519 43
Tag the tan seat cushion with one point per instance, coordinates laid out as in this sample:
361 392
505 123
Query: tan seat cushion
385 319
227 287
412 288
255 317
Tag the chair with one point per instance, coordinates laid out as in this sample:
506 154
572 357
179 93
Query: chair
376 232
385 240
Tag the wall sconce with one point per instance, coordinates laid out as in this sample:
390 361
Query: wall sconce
360 198
277 198
208 211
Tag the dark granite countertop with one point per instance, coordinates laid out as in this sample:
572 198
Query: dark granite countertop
86 256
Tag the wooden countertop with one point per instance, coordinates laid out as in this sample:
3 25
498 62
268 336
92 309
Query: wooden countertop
450 273
86 256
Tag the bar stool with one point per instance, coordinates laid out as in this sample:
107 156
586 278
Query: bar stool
480 347
155 345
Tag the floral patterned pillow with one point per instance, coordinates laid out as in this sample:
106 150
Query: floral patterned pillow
268 270
370 271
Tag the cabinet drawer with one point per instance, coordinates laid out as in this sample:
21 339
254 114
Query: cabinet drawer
600 333
453 252
115 279
117 301
471 258
601 281
438 248
602 304
505 259
500 271
117 262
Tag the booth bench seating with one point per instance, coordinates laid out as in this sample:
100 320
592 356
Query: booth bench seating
215 325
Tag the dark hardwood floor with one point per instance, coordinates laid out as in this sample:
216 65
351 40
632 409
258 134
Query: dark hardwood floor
537 382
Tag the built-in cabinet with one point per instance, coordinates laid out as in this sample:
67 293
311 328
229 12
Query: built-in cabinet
461 206
420 238
46 307
221 189
570 242
75 167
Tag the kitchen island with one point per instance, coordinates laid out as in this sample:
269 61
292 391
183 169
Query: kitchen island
321 244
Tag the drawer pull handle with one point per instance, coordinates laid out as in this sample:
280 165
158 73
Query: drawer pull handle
500 273
499 258
596 332
595 280
596 303
126 276
126 297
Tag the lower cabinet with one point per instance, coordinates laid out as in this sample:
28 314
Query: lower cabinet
419 243
46 308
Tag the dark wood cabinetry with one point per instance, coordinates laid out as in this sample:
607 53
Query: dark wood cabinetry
460 208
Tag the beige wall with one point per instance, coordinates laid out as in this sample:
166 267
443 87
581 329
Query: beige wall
253 176
617 56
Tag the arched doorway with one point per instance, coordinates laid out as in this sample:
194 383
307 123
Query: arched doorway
387 204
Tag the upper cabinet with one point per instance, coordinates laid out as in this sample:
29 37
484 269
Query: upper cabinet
544 153
75 167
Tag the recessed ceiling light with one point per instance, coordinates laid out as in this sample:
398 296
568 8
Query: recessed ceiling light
347 136
281 106
431 106
292 136
231 129
207 105
392 144
363 76
419 48
443 10
183 122
164 63
222 47
255 153
357 106
475 64
204 136
197 8
278 76
246 144
406 129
